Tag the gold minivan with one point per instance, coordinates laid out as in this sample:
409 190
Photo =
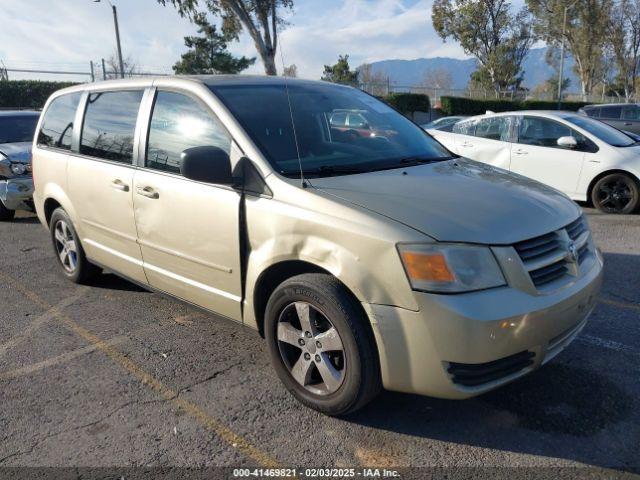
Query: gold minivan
366 256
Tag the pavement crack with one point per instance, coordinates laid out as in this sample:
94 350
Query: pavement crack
215 374
67 430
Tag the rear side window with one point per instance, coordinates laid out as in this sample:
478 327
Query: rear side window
465 128
613 112
493 128
57 124
179 122
109 125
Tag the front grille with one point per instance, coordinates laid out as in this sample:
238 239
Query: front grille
547 258
576 228
548 274
538 247
474 374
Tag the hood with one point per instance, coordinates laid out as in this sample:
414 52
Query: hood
19 152
458 201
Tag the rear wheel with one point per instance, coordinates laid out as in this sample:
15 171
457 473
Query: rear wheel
616 193
321 345
5 213
69 252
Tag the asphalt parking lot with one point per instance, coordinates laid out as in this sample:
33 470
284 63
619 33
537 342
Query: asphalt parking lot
110 375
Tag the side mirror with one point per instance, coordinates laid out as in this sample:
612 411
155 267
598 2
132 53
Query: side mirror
567 142
206 164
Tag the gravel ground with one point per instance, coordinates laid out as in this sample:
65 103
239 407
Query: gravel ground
110 375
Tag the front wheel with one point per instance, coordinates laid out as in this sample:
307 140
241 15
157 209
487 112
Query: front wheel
68 250
5 213
321 344
616 193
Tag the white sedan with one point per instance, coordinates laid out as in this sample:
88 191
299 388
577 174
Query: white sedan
582 157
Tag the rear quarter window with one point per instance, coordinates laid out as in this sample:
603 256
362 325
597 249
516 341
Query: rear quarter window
57 124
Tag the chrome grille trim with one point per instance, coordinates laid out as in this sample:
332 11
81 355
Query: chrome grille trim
554 259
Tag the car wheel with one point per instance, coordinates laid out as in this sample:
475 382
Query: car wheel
616 193
5 213
321 344
68 250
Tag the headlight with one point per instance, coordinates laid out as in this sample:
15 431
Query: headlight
450 268
18 168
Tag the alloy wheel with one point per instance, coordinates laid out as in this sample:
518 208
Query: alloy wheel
615 195
311 348
66 246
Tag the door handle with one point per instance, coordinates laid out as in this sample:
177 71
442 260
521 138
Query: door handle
118 184
521 152
467 144
628 124
148 192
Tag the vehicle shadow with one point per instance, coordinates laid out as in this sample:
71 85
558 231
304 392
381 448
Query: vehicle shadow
110 281
583 406
26 220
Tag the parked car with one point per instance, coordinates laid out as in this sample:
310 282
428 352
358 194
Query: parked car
17 128
350 125
390 262
583 158
623 116
443 123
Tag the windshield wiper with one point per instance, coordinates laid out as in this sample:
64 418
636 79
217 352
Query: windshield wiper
330 169
420 161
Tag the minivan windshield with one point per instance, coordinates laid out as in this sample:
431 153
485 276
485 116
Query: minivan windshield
339 130
19 128
604 132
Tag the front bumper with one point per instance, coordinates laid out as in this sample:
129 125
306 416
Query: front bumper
16 193
420 352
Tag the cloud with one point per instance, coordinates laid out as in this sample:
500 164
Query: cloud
367 30
66 35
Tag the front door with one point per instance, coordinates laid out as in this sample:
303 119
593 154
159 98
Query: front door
537 154
188 231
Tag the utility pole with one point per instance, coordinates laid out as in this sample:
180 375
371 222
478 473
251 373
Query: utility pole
93 77
104 71
115 24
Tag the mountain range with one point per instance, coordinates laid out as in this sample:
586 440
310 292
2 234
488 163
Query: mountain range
412 72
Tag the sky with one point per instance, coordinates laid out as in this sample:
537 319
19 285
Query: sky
67 34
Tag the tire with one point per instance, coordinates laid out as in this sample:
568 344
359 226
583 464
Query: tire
5 213
616 193
75 265
353 373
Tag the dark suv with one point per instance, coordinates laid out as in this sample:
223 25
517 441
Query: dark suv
623 116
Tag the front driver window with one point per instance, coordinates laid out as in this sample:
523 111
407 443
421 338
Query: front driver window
543 132
179 122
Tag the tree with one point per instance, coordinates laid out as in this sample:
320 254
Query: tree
113 67
488 30
376 83
208 52
437 78
259 18
552 57
585 33
290 71
624 40
340 72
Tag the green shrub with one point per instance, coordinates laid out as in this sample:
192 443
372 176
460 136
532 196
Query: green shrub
474 106
28 93
408 102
